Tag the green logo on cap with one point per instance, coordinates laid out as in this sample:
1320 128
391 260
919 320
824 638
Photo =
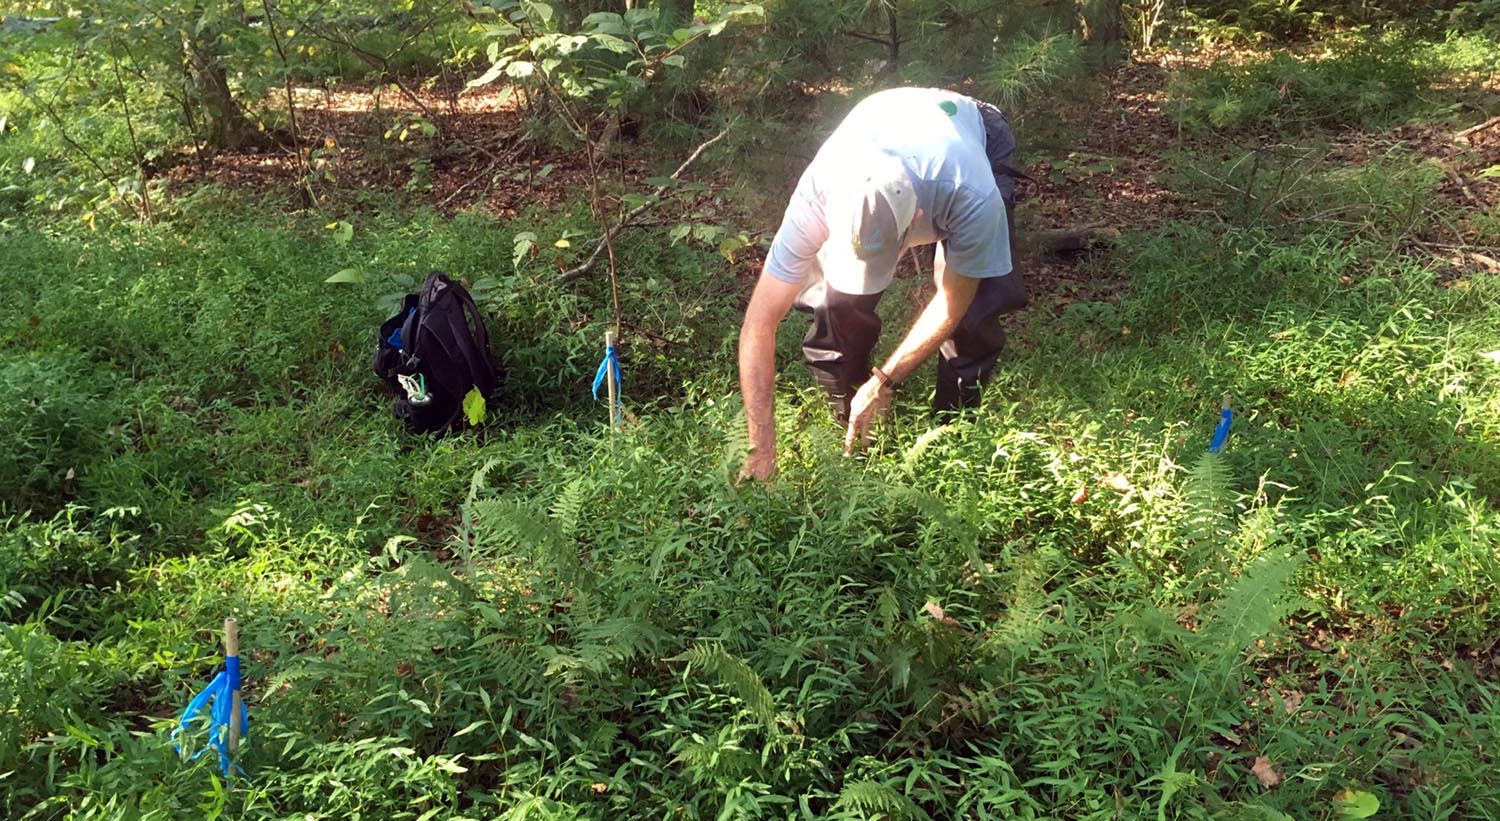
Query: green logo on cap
949 107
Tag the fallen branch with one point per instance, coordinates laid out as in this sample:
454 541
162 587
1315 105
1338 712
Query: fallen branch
625 221
1068 240
1490 123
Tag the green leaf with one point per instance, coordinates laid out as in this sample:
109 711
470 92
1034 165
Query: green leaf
611 43
474 406
342 232
540 11
520 70
350 275
1356 804
675 60
606 22
521 247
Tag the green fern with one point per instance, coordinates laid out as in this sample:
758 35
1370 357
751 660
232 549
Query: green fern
1206 496
567 510
738 677
1024 623
722 761
879 799
1253 606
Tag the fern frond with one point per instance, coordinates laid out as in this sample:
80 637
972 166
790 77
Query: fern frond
477 482
921 446
567 510
1023 624
1253 606
1206 496
738 677
879 799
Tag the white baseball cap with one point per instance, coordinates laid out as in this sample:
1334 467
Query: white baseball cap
868 214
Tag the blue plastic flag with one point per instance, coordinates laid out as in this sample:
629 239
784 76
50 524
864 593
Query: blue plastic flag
219 697
1221 433
610 364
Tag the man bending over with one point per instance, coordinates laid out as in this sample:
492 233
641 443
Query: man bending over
907 167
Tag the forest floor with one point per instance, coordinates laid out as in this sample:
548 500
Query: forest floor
362 137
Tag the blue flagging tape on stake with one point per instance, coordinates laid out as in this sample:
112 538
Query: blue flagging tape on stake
610 364
1221 433
218 696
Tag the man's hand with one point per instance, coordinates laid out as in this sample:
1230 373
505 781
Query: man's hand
868 405
760 464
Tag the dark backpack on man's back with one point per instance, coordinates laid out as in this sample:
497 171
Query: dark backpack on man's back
433 352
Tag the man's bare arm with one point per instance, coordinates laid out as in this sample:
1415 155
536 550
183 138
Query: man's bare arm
769 305
933 327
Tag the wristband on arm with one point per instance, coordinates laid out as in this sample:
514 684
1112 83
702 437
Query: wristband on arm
884 378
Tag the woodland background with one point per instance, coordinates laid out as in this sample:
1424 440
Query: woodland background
1057 607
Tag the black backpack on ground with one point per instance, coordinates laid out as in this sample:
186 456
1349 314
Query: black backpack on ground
432 353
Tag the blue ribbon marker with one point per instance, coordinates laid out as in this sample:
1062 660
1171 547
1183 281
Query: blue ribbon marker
218 696
611 364
1221 433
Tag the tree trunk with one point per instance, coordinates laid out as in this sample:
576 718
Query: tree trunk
1102 23
227 127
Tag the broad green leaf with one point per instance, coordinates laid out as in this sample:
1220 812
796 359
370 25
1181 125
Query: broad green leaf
1356 804
342 232
540 11
606 22
474 406
611 43
679 232
521 247
489 76
351 275
674 60
520 69
639 18
498 31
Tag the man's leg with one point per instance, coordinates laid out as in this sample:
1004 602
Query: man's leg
837 347
967 359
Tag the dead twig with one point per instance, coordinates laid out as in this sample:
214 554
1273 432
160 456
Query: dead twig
1457 178
625 221
1487 124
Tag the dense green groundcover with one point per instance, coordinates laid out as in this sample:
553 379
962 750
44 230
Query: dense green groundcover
538 619
1057 607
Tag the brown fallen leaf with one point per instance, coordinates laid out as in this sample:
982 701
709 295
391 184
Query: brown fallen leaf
1264 770
1082 495
934 610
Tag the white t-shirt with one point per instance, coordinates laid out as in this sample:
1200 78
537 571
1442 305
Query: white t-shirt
939 137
